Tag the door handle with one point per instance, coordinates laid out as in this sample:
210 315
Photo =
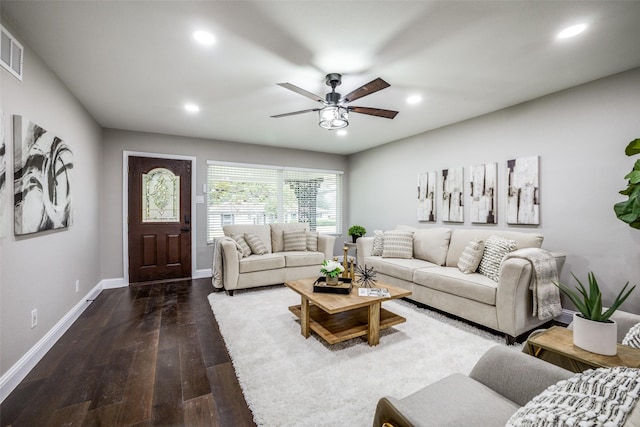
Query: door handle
185 229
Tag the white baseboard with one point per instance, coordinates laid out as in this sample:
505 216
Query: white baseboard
12 378
120 282
200 274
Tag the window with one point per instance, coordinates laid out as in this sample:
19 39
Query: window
255 194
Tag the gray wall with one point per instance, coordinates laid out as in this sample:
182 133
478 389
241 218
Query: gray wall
40 270
580 135
118 141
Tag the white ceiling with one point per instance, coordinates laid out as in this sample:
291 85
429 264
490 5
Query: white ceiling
134 64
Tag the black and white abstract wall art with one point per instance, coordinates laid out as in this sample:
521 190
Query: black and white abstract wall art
483 180
4 201
523 198
42 179
427 196
453 195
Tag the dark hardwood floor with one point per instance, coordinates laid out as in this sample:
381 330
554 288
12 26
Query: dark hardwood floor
145 355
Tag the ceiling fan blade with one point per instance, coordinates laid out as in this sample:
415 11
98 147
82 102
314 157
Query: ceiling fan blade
368 89
302 92
379 112
296 112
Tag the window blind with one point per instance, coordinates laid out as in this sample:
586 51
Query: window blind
256 194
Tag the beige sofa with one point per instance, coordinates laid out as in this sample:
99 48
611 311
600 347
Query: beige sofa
434 279
277 265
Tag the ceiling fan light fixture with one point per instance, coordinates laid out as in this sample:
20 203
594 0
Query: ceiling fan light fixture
333 117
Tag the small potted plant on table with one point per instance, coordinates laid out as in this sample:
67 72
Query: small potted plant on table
592 329
356 231
332 270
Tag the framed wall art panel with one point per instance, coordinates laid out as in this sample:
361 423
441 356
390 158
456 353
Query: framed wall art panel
427 196
483 181
42 179
453 195
523 198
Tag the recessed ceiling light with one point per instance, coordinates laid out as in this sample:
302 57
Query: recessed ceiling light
414 99
341 132
192 108
204 37
572 31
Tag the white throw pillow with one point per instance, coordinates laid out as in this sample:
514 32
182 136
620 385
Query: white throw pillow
471 256
255 243
398 244
495 249
295 240
632 338
243 247
277 233
431 244
312 241
378 242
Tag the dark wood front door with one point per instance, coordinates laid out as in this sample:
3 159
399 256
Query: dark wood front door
159 219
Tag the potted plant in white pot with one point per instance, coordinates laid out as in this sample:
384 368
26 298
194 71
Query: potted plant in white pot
593 330
332 269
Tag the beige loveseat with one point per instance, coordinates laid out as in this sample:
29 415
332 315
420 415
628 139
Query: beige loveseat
432 275
277 265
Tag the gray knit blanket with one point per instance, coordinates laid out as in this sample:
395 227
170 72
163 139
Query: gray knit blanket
546 296
595 398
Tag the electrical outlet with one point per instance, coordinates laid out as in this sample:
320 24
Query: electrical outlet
34 318
77 285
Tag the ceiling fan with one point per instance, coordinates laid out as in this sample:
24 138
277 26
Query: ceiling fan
334 114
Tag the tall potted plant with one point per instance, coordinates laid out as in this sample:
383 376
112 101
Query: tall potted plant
629 210
593 330
356 231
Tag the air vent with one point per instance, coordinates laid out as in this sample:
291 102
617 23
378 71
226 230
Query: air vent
10 53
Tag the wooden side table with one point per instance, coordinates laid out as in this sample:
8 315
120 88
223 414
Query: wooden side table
559 341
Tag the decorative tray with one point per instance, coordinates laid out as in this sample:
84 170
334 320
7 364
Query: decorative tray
344 287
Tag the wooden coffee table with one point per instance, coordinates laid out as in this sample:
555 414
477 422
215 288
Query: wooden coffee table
338 317
559 340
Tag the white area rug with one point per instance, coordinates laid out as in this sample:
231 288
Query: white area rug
291 381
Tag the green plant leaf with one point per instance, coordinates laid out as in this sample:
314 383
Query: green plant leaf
589 304
627 210
633 147
622 296
574 297
633 176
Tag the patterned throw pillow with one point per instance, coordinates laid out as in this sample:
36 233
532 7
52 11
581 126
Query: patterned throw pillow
398 244
243 247
312 241
295 240
495 249
255 243
471 256
597 397
632 338
378 240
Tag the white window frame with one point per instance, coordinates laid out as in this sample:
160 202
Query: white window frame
211 235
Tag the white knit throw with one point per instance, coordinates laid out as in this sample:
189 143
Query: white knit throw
599 398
